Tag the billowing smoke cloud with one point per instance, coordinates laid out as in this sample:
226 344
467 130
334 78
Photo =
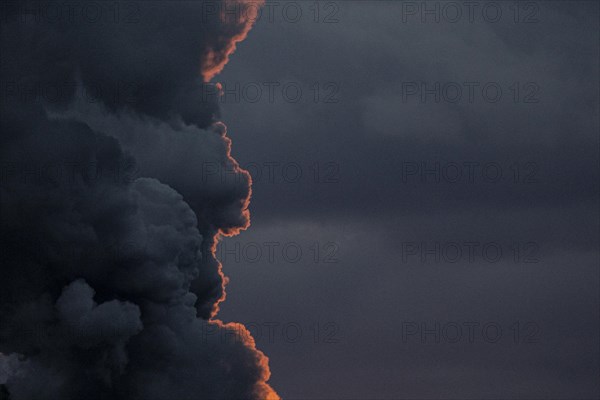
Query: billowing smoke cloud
108 218
240 15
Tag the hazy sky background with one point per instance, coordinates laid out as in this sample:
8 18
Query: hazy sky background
372 207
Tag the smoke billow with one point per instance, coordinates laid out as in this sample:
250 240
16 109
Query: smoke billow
108 220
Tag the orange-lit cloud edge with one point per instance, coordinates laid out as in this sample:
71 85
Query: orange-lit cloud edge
212 64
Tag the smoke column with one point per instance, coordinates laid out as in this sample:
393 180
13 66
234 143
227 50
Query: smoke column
109 222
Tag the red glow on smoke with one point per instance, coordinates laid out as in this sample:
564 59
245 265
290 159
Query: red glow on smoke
213 63
240 14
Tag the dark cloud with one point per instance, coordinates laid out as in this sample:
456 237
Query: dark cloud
109 277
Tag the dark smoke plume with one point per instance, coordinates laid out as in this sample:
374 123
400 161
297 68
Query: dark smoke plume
109 283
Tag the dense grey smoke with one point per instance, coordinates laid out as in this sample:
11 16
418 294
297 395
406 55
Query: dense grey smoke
107 227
